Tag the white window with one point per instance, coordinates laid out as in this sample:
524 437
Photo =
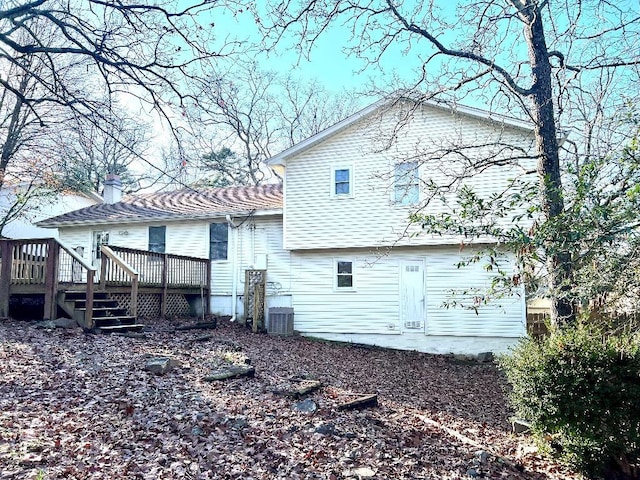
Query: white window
342 181
406 187
344 274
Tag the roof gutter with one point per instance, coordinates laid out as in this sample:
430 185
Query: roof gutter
184 218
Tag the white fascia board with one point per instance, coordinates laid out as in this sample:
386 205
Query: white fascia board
93 196
167 218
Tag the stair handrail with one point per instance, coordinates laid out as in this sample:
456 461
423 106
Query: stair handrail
76 256
91 270
131 272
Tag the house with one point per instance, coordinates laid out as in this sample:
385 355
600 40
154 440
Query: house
334 239
359 273
39 207
236 228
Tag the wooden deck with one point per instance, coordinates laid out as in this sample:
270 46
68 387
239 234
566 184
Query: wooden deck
48 267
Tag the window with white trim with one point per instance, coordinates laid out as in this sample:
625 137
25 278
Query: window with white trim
342 181
343 273
406 186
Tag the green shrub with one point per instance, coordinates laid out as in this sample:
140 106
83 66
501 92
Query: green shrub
580 389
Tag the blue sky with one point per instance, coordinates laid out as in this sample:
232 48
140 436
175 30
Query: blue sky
327 61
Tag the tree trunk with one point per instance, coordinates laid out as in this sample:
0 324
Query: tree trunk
546 133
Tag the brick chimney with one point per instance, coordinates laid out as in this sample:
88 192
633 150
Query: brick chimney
112 192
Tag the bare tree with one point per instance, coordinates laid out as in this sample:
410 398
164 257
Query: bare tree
140 51
148 46
528 56
88 152
26 169
243 121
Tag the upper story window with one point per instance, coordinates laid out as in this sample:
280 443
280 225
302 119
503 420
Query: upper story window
406 187
342 181
157 239
218 241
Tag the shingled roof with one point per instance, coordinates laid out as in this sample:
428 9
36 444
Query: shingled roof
182 204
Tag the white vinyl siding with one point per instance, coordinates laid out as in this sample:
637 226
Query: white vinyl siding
375 306
372 219
40 209
502 317
278 260
259 246
319 307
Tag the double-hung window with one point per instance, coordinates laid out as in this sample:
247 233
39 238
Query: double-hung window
343 274
157 239
218 241
342 181
406 187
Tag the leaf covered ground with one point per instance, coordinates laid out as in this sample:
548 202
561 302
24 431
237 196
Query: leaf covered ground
75 405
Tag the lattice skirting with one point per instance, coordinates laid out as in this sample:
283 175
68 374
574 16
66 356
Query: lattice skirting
149 304
177 305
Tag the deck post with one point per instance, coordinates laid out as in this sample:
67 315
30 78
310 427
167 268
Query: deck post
88 313
6 249
51 280
207 303
103 272
165 281
134 296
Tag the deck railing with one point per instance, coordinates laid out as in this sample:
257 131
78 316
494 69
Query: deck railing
28 261
44 262
47 265
143 269
161 269
116 270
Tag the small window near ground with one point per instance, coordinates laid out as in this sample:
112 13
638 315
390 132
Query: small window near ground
218 241
342 180
157 239
406 188
344 274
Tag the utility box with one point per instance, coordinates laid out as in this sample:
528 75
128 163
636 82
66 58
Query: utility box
280 321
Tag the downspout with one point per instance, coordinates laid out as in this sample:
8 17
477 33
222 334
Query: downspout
234 273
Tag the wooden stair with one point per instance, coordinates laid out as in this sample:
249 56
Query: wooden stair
107 317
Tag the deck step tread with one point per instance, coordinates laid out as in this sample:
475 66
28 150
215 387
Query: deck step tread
100 309
83 292
115 317
122 328
96 300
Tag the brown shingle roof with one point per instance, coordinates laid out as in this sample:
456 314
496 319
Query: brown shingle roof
180 204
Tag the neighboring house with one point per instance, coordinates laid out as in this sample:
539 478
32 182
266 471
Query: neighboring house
334 239
39 208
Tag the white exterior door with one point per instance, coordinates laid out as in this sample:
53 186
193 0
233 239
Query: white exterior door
412 295
98 238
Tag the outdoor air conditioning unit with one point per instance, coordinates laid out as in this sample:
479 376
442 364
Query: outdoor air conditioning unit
280 321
